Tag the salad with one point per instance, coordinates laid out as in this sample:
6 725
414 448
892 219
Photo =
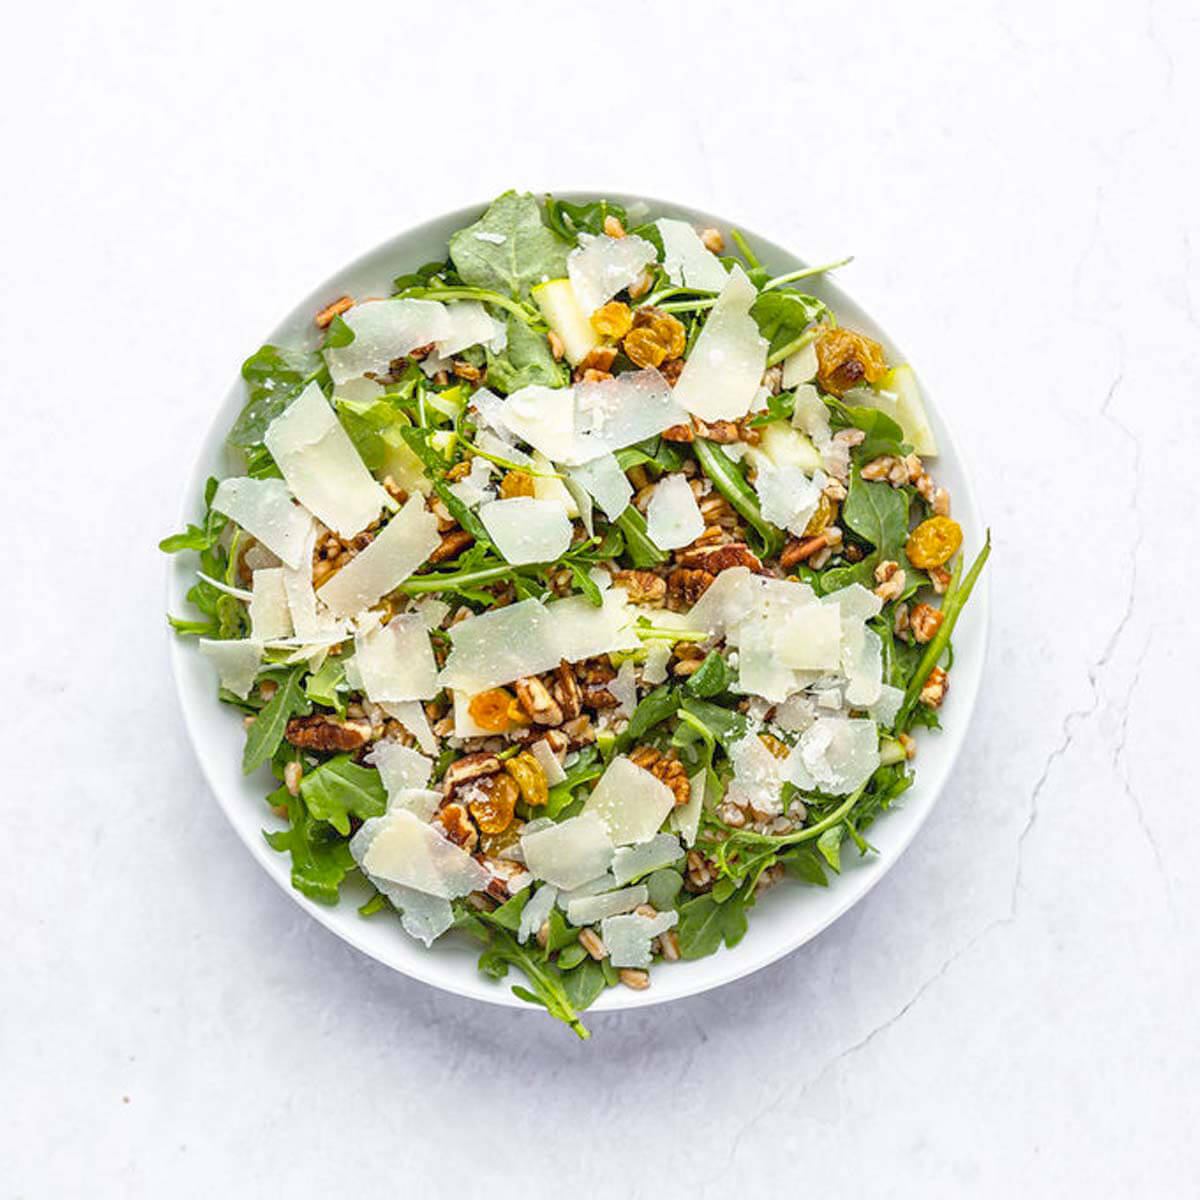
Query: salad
577 592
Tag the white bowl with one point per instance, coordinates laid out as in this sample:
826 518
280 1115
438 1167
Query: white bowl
784 918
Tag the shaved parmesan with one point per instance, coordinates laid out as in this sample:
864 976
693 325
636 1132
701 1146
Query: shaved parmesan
673 517
401 848
384 330
575 425
760 670
264 509
602 266
801 366
422 917
724 602
421 802
632 862
839 753
593 887
528 637
686 259
321 466
758 776
396 662
787 497
432 611
795 714
627 938
630 801
405 543
885 709
475 488
855 601
237 662
624 689
590 909
654 669
721 376
269 615
686 820
526 530
864 672
604 480
548 761
536 911
570 853
470 325
400 767
411 714
811 639
810 415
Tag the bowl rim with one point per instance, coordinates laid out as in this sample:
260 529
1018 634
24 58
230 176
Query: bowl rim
727 965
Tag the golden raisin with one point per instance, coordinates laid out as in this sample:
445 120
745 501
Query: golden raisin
933 542
670 331
516 714
494 844
822 518
516 483
612 320
489 710
845 359
774 745
493 801
530 778
643 348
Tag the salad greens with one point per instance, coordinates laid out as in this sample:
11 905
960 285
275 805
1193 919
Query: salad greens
719 676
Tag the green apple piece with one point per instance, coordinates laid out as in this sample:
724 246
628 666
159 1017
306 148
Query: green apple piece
784 446
910 409
556 299
547 487
406 469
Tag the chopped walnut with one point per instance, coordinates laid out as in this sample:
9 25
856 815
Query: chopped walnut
537 701
557 349
468 768
940 578
936 686
452 545
325 317
685 587
724 433
457 826
327 734
712 240
772 379
879 468
643 587
801 549
600 358
671 371
700 873
716 559
595 670
640 286
566 692
597 697
891 581
613 227
678 433
900 620
579 731
925 621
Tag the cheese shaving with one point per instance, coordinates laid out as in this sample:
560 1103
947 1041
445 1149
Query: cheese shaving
687 260
384 330
264 509
602 266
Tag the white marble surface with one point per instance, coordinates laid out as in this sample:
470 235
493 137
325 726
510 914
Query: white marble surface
1013 1009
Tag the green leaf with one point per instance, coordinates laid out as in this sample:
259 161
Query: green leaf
830 846
528 253
807 867
783 317
570 957
320 856
526 360
664 886
546 985
274 377
878 513
585 983
652 710
264 736
339 789
639 549
712 677
192 538
324 687
728 479
374 427
724 724
508 915
704 924
570 220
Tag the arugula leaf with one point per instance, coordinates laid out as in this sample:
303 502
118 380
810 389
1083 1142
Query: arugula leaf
569 220
324 686
528 253
274 377
264 736
805 866
641 551
712 677
526 360
652 710
729 481
508 915
878 513
726 725
374 427
339 789
704 924
192 538
830 846
320 856
583 984
884 436
783 317
662 455
546 985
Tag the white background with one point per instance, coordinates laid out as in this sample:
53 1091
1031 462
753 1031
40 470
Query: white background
1014 1008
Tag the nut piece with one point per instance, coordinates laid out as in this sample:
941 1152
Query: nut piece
643 587
589 939
891 580
800 549
292 774
505 872
324 318
567 692
631 977
470 766
685 587
700 876
452 545
925 621
716 559
536 700
457 826
722 432
936 686
327 734
613 227
712 240
940 578
557 349
678 433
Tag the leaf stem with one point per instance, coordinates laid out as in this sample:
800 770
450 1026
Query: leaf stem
797 343
728 481
805 273
744 247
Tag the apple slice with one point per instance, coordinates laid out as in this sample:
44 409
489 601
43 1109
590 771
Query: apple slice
556 299
901 382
